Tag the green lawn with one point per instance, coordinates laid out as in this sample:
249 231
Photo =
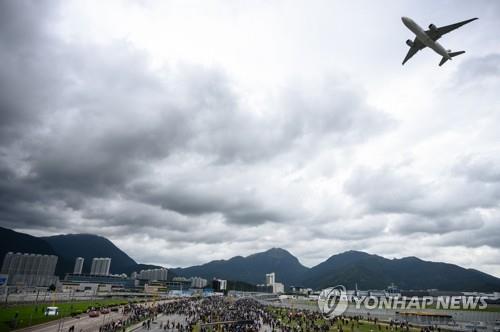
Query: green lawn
362 326
27 314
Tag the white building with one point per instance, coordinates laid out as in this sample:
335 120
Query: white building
270 279
153 275
197 282
78 265
29 269
100 266
278 288
223 284
272 284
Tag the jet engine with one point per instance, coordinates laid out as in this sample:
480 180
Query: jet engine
432 27
409 42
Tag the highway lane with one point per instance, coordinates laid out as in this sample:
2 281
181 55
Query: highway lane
84 323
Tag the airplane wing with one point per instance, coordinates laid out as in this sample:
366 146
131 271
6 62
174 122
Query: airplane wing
417 46
435 34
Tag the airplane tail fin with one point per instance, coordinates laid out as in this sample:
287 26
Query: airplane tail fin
451 54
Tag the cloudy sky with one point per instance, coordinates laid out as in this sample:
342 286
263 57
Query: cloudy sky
187 131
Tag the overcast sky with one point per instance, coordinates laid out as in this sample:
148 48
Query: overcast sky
187 131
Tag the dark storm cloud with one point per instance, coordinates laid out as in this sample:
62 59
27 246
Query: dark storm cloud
207 196
29 76
18 202
83 122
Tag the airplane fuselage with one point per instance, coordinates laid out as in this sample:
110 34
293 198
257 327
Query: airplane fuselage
424 38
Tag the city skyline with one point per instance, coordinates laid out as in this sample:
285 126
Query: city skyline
189 132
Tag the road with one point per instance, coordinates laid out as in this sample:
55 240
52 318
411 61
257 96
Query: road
82 324
85 323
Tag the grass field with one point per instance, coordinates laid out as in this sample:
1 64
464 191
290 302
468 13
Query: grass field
362 326
28 315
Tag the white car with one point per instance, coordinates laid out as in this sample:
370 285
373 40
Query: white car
52 311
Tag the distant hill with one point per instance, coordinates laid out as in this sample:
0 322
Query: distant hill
67 248
251 269
88 246
24 243
376 272
241 286
20 242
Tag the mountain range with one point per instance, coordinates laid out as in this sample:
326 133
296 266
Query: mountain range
251 269
67 248
349 268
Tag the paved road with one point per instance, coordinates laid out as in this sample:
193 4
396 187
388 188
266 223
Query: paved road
85 323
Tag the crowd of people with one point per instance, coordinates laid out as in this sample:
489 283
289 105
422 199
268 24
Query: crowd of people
239 315
132 314
248 315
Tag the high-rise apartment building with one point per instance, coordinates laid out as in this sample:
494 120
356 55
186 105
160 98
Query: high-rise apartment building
270 279
153 275
29 269
78 265
197 282
100 266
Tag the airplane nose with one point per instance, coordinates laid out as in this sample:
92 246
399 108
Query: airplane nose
406 20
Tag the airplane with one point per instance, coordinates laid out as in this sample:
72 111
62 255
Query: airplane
428 38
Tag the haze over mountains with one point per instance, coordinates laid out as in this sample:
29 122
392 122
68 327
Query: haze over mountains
348 268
